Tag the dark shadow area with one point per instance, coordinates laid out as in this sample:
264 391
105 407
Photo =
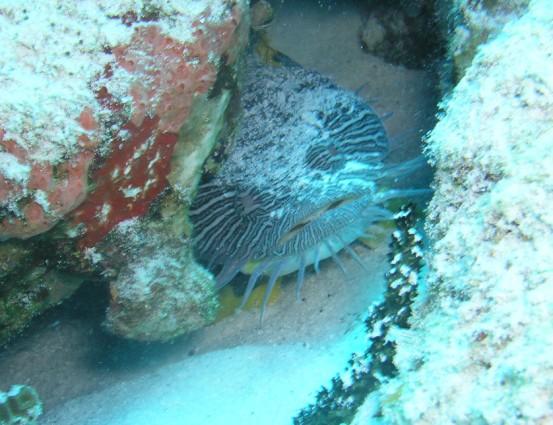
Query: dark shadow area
68 350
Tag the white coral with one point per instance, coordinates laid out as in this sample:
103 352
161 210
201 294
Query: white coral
480 350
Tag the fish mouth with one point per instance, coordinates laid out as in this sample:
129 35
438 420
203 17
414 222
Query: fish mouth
320 234
314 216
311 234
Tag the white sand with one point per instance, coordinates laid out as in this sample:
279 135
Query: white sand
244 385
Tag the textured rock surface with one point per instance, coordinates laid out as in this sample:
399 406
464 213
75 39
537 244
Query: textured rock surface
32 293
159 291
479 351
168 77
90 133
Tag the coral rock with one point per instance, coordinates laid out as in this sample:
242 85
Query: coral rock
159 292
106 101
480 346
468 24
168 76
31 294
130 78
33 200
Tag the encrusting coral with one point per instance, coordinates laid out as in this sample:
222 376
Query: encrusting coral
141 71
19 406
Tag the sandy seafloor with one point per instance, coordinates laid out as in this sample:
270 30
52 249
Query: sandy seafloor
234 371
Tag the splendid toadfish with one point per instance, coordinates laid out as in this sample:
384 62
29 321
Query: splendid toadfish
302 182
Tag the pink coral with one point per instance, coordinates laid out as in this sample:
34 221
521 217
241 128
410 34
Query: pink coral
35 204
170 75
167 74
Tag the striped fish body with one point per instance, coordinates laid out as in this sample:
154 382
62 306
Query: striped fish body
301 180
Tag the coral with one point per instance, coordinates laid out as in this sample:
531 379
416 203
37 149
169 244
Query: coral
14 256
365 373
479 347
24 295
206 122
35 195
19 406
175 295
130 78
168 77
